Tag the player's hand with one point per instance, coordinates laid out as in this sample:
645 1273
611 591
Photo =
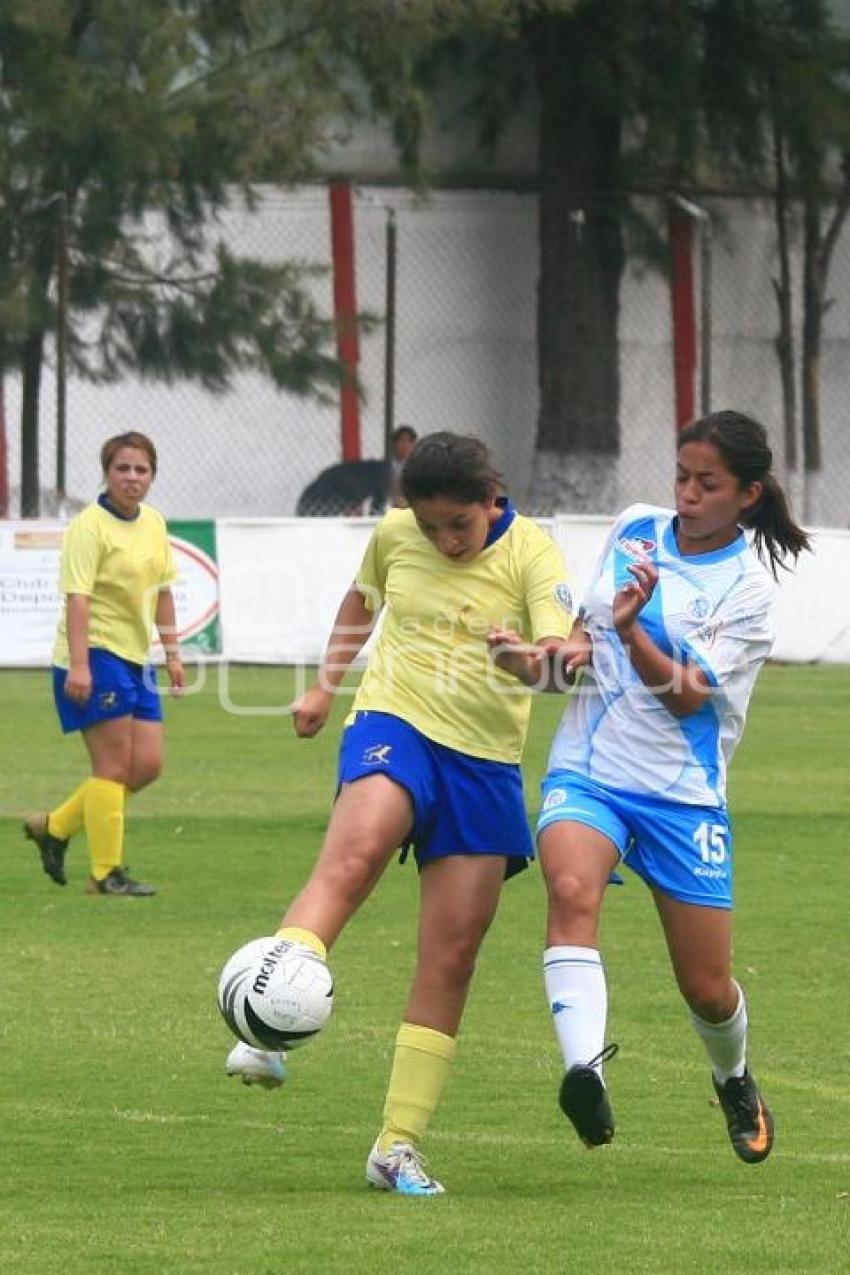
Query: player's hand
568 657
176 674
78 683
312 711
499 637
633 597
513 654
506 644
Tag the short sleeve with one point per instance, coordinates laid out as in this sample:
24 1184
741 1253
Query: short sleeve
548 593
170 573
80 560
737 637
622 520
371 577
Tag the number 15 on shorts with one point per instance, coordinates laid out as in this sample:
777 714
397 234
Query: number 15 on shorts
710 839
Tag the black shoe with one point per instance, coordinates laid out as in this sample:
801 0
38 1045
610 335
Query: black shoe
117 882
583 1100
52 849
748 1120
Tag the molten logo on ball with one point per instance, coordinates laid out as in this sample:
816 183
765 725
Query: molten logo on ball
274 994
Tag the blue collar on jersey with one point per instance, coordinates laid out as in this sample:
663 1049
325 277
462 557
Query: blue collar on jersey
104 504
738 545
502 523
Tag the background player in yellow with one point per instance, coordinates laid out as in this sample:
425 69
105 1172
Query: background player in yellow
115 575
428 757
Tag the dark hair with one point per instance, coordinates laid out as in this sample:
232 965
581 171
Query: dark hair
742 442
456 466
404 431
112 447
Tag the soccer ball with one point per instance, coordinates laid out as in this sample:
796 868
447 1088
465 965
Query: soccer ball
275 994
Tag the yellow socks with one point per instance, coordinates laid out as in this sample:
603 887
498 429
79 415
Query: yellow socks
104 812
67 819
423 1058
305 937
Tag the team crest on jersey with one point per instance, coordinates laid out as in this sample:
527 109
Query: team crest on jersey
377 755
564 595
706 633
698 608
636 546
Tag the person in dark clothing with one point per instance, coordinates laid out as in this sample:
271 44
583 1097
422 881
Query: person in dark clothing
350 487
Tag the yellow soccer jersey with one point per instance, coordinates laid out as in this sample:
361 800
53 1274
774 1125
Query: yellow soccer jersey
430 664
120 566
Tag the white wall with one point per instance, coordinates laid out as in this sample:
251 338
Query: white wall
281 582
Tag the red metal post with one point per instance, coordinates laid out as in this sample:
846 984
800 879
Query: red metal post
345 314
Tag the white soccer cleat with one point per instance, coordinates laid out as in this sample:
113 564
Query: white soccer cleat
400 1168
256 1066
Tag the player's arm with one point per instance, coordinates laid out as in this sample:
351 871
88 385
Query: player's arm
77 576
78 682
681 688
165 619
548 665
353 625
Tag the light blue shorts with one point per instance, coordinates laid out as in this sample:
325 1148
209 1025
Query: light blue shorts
684 851
120 688
462 804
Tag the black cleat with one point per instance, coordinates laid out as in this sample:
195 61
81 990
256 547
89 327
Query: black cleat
117 882
748 1120
51 849
583 1099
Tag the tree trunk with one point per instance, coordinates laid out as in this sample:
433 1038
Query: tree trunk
32 360
784 300
581 265
818 248
813 307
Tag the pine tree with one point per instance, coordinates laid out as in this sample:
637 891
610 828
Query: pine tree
124 129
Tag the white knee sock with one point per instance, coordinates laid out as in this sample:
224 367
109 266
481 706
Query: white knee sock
578 1000
725 1043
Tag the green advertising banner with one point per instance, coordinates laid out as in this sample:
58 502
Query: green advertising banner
196 593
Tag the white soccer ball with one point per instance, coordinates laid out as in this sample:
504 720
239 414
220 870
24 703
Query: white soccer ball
275 994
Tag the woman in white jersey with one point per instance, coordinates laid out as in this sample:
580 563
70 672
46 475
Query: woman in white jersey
429 756
676 626
116 575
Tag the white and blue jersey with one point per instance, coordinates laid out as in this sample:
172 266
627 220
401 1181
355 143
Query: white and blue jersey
710 609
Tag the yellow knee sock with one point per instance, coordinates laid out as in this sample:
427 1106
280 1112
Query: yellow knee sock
421 1066
104 825
68 818
305 937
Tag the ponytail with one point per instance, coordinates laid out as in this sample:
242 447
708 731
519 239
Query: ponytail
776 534
742 442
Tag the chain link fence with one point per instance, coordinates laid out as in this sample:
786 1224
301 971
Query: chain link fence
464 359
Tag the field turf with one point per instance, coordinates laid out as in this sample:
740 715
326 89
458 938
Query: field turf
125 1149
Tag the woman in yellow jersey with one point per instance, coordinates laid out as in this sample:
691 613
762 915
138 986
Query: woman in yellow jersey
429 757
116 573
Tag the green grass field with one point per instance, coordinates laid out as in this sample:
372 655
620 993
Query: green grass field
125 1149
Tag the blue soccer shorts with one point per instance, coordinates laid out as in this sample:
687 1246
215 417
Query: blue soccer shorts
461 804
120 688
683 851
